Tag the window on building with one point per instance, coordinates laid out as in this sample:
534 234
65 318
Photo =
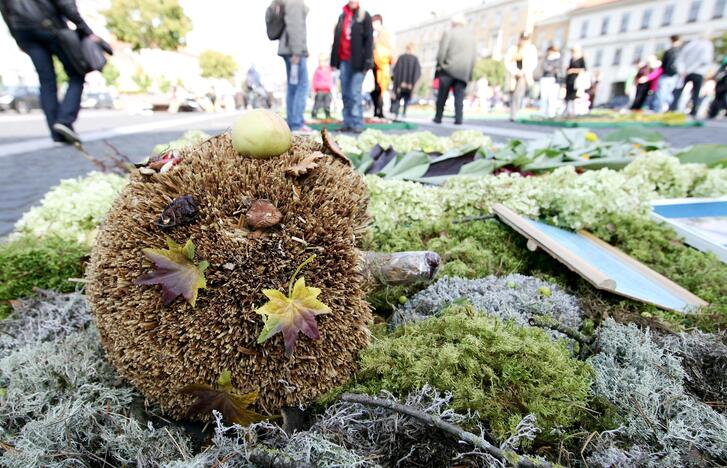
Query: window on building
638 53
668 15
660 48
598 59
498 19
719 7
584 29
625 22
515 13
694 8
558 41
646 18
616 57
604 25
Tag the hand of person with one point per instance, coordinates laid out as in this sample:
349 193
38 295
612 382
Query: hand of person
295 59
95 38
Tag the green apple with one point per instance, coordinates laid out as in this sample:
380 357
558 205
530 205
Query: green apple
261 134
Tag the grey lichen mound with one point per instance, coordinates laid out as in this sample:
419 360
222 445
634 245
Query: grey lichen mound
662 424
63 406
161 350
46 317
704 359
513 297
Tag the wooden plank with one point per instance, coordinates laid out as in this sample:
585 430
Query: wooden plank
602 265
647 272
570 259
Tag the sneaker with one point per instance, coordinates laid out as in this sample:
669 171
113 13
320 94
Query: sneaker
304 130
356 130
344 129
67 133
437 121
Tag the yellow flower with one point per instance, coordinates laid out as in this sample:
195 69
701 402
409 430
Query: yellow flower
592 137
586 156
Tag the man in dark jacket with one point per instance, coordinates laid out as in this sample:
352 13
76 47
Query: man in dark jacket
407 72
293 48
31 23
455 63
353 54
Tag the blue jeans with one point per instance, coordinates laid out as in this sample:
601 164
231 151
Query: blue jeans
297 93
41 46
664 93
351 82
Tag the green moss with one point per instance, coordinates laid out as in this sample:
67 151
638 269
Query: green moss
501 370
28 263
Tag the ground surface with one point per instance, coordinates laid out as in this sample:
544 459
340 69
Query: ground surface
30 163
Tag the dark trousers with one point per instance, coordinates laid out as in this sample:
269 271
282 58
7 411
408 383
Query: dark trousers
445 82
322 102
41 46
642 92
404 94
376 97
697 81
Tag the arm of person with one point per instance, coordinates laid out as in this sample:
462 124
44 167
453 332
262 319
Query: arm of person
510 64
443 46
69 9
368 43
295 27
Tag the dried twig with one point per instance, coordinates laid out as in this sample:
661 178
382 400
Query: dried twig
438 423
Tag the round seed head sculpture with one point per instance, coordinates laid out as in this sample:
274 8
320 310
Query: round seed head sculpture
254 284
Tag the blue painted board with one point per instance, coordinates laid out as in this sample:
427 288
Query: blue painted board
692 210
630 281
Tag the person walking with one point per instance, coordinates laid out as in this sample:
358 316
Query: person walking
33 25
455 63
382 64
669 77
407 72
353 54
322 86
293 48
693 62
647 80
576 67
521 60
550 82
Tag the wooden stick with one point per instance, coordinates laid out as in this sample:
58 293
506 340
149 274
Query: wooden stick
437 422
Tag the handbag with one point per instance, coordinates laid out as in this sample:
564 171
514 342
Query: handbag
84 55
93 53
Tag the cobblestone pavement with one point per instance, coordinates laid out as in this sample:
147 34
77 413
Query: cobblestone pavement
29 170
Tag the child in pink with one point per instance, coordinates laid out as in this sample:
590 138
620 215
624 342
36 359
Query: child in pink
322 85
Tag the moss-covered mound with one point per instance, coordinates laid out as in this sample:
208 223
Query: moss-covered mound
163 349
27 263
502 370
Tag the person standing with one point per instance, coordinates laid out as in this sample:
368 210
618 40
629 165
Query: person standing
32 25
693 62
647 80
293 48
576 66
353 54
669 77
382 64
455 63
407 72
322 85
550 82
520 62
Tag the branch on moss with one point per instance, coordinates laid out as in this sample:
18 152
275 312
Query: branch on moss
436 422
549 322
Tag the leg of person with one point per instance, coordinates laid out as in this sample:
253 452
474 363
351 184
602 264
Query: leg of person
301 93
395 103
459 88
697 81
664 91
676 96
407 97
42 60
516 98
554 99
327 104
445 82
317 103
357 121
290 93
346 93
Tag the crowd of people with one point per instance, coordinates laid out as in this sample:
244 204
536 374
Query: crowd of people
362 56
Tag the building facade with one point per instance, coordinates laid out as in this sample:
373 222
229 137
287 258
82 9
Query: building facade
617 34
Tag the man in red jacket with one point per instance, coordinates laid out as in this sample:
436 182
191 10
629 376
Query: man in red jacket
353 54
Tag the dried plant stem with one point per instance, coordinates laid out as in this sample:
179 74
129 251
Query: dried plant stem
270 458
548 322
436 422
